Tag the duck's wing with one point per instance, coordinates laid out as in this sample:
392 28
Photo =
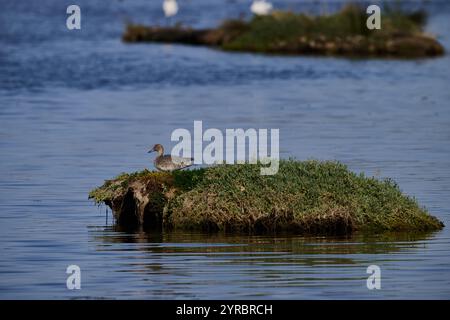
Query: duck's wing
179 162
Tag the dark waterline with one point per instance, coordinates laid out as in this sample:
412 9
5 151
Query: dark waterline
79 108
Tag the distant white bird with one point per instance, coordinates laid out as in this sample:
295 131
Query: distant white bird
170 8
261 7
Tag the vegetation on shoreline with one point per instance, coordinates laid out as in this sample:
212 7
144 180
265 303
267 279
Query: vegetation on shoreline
342 33
309 197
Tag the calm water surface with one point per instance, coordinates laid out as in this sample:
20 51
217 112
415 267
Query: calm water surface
79 107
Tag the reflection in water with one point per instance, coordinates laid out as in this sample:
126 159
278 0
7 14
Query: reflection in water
221 242
184 262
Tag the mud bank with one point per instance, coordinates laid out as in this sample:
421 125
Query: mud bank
340 34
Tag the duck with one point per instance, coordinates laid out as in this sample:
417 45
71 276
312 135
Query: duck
168 162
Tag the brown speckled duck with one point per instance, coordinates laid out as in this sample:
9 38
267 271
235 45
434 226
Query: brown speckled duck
167 162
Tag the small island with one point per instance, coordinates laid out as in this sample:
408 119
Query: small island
341 34
305 197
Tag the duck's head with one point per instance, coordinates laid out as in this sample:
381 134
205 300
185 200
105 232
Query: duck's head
158 148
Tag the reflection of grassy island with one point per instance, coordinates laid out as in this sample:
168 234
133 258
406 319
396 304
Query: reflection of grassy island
308 197
342 33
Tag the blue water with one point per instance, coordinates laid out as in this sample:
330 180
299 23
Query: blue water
79 107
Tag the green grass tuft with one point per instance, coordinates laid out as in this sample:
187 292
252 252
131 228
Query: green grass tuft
306 197
284 32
